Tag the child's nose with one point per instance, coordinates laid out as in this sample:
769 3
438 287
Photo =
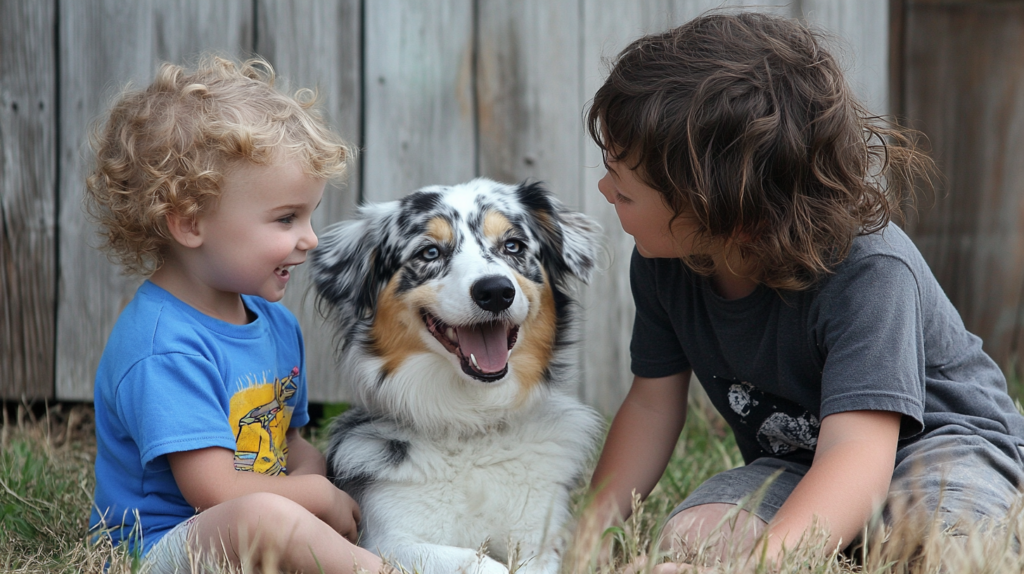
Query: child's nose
308 240
604 186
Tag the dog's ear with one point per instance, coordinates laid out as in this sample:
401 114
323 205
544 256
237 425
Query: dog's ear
570 241
352 264
581 243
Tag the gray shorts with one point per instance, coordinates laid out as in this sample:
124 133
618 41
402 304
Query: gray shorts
172 554
947 476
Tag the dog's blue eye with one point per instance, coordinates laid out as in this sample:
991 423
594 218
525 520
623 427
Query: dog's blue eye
513 246
430 253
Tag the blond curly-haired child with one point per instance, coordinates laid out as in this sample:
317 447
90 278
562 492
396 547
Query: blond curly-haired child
205 183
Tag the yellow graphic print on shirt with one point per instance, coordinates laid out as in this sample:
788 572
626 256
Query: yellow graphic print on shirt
261 418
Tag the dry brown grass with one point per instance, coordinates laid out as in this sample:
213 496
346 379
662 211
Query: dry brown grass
46 483
915 546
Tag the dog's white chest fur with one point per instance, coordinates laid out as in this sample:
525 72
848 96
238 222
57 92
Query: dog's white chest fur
450 495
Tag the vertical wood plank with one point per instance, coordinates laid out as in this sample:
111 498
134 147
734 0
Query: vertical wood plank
27 198
530 94
103 45
862 31
319 45
897 60
683 10
964 88
419 88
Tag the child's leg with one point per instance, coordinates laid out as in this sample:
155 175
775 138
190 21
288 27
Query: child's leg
727 513
962 482
265 530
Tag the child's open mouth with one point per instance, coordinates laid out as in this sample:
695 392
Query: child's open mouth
483 349
284 272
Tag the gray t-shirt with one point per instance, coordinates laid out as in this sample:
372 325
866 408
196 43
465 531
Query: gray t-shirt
878 334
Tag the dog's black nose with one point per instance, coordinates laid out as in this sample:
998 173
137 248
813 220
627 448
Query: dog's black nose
493 293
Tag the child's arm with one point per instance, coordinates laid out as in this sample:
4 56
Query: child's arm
639 444
848 479
207 477
303 458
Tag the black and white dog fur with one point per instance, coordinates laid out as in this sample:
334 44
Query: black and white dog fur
454 316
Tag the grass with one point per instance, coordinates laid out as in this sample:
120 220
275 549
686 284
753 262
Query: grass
46 484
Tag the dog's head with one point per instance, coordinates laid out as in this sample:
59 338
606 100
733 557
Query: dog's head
475 275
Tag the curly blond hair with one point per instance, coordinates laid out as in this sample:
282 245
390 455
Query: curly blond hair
166 149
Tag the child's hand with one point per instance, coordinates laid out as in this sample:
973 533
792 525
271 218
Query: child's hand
591 547
342 514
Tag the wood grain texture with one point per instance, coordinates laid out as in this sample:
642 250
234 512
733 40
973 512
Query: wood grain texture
860 34
530 94
420 109
319 45
28 170
964 88
103 45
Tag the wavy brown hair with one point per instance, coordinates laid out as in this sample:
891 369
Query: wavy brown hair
166 149
745 124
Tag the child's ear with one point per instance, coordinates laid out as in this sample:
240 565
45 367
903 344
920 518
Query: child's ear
184 230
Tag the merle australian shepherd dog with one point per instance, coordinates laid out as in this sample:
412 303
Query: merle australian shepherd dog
454 314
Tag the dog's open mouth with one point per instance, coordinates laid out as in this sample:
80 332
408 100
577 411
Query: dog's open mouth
483 349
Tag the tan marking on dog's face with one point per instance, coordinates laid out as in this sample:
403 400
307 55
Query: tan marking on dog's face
543 218
440 230
495 224
395 335
536 342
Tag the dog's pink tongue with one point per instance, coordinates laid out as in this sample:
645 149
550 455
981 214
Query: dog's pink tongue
488 343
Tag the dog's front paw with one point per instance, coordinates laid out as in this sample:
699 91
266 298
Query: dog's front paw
440 559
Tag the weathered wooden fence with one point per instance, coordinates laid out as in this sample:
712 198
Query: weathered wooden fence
962 68
432 91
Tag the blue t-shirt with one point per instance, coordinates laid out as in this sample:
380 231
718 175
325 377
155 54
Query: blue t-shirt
172 379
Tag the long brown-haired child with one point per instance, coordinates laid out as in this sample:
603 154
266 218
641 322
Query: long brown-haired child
760 195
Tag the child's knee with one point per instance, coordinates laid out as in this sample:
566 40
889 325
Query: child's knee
259 515
271 510
250 529
710 523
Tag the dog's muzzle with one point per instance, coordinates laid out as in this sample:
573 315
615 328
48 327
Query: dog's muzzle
483 349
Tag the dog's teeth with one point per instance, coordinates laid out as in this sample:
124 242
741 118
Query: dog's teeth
472 359
450 333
